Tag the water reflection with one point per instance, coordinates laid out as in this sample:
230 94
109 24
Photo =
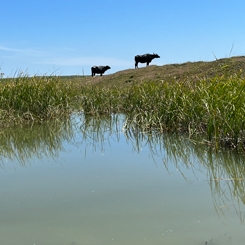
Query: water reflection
96 130
35 141
224 171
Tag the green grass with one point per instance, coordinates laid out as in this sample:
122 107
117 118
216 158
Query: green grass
214 108
207 100
27 99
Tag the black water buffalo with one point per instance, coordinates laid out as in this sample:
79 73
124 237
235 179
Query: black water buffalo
99 70
145 58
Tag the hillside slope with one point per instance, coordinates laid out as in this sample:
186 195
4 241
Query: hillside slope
189 70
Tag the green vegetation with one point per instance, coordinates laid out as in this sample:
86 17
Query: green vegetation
214 107
25 99
202 98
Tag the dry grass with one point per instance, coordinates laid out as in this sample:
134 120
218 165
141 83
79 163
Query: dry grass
192 71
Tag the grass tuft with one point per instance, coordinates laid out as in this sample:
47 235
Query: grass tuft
33 99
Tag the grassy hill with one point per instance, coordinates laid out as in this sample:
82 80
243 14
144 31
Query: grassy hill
189 70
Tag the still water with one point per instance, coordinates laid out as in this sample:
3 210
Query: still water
91 182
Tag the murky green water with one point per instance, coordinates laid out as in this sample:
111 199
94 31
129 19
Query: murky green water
92 183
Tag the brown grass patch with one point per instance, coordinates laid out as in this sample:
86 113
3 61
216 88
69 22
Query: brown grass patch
192 71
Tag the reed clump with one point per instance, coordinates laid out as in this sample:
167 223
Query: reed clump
212 107
25 99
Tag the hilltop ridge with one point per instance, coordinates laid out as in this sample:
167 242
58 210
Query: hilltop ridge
188 70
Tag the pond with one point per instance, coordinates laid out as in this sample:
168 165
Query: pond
87 181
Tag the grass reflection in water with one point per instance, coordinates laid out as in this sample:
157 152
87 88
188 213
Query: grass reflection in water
225 170
37 140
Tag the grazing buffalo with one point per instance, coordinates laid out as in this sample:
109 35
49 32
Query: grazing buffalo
99 70
145 58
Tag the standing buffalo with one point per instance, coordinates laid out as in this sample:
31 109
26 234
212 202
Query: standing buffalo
99 70
145 58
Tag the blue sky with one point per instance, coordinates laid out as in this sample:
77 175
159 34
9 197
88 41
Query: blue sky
65 37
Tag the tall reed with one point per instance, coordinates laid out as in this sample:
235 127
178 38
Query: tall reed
215 107
35 98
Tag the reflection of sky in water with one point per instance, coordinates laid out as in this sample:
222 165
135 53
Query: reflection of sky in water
109 193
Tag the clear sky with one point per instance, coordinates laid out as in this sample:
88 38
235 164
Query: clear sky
67 37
